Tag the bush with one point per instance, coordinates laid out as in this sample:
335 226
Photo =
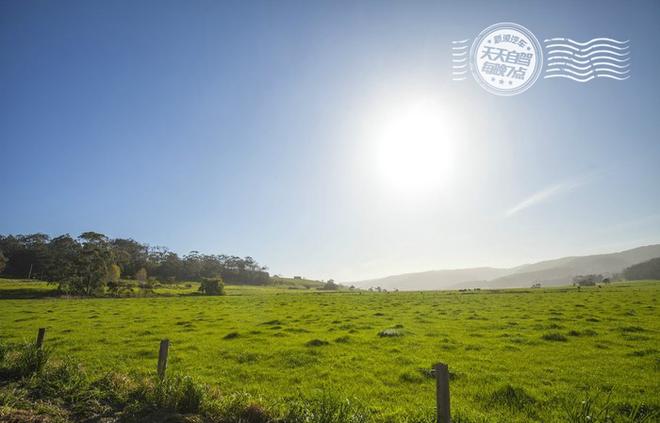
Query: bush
212 286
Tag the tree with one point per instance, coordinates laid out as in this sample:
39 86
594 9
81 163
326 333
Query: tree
26 254
91 265
330 285
141 274
587 280
115 273
130 255
62 259
83 265
3 262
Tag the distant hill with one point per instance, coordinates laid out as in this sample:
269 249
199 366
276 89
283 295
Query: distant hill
295 282
551 272
435 279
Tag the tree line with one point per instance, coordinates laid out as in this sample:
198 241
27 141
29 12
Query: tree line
85 264
646 270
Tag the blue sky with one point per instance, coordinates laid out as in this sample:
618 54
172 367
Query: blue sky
251 128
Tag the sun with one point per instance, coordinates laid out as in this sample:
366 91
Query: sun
413 151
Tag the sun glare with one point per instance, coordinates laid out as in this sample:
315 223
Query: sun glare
413 149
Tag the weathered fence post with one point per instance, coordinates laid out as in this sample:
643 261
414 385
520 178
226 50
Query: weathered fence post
162 357
441 372
40 337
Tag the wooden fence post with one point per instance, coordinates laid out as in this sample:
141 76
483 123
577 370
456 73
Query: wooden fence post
162 357
40 337
442 392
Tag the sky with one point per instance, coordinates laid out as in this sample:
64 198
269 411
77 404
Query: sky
262 128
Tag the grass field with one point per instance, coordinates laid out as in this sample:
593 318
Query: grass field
514 356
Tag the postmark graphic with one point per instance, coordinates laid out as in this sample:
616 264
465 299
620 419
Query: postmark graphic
600 57
506 59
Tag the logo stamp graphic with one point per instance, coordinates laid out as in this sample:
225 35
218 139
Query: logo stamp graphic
506 59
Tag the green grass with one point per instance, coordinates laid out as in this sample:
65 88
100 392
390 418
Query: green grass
514 355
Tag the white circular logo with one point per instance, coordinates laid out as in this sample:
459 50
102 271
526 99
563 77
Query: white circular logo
506 59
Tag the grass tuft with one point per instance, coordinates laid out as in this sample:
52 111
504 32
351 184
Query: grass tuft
554 336
390 333
231 335
512 397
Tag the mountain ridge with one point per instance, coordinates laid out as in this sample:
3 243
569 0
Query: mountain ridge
559 271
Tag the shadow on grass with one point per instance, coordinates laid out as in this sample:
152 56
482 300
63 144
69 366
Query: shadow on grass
27 293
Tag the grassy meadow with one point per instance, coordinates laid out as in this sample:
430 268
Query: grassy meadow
514 355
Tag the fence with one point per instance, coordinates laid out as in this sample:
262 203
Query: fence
440 371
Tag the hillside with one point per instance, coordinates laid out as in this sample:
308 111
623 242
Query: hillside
435 279
549 272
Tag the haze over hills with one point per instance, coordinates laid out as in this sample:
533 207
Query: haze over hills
550 272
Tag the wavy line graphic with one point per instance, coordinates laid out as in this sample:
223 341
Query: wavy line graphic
569 40
584 61
585 56
588 66
459 62
572 47
594 71
591 77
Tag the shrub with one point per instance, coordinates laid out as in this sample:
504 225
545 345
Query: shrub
212 286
